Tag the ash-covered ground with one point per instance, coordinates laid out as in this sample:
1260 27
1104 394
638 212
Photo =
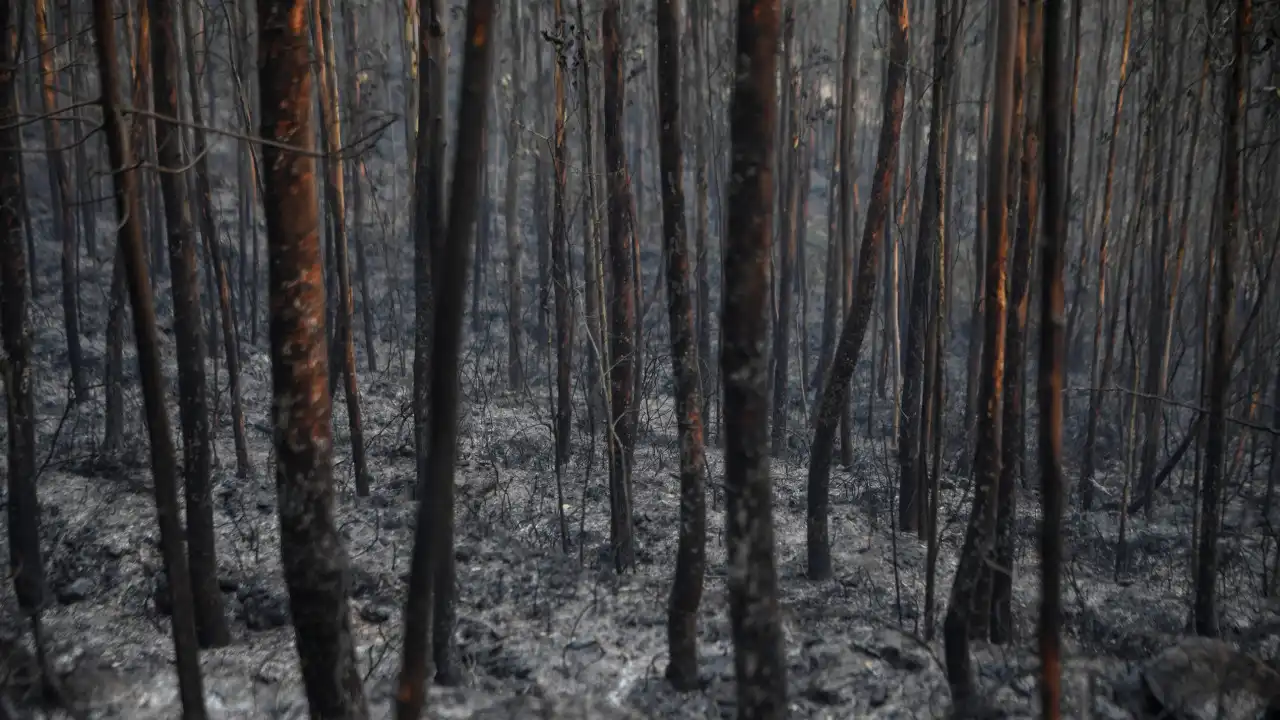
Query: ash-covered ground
542 633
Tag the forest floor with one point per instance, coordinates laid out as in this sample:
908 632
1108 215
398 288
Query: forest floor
540 628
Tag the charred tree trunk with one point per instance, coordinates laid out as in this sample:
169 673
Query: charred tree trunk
433 541
511 211
1013 424
979 537
560 279
315 560
759 656
189 336
64 221
686 589
1057 185
26 564
1221 359
335 197
133 253
836 386
622 313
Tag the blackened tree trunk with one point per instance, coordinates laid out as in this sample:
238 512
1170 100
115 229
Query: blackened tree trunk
848 189
792 164
213 253
1221 357
979 540
64 222
592 260
1013 425
335 190
686 590
560 277
911 443
428 220
1101 364
1053 325
622 313
189 336
515 302
433 541
26 564
315 560
702 108
133 252
836 385
759 657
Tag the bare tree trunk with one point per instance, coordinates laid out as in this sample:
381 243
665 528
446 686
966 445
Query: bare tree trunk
560 278
64 222
213 254
311 548
344 337
847 141
1095 389
1206 606
793 165
622 314
912 441
836 385
515 304
211 622
1057 186
979 537
702 272
133 253
433 541
26 564
759 657
359 237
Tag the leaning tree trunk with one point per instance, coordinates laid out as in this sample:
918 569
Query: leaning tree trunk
433 541
759 657
622 314
835 387
686 589
133 253
1221 359
978 540
189 336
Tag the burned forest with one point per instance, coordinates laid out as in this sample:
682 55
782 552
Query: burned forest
623 359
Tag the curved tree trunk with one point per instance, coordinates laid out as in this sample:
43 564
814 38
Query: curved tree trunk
835 388
133 253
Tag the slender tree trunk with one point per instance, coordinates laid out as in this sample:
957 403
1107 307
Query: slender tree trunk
64 222
622 314
26 564
213 253
133 253
335 197
847 141
1057 185
433 542
1095 389
1220 362
686 589
759 656
789 228
193 407
359 237
515 304
702 272
859 312
560 278
979 540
